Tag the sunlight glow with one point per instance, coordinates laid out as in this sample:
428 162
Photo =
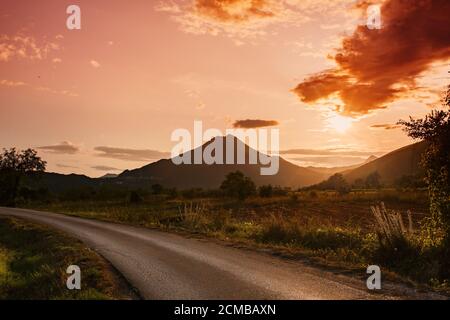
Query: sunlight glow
339 123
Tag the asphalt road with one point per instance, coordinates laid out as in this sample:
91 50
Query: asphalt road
168 266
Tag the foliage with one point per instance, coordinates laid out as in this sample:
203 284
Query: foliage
157 189
265 191
336 182
236 185
14 165
435 129
134 198
373 180
410 182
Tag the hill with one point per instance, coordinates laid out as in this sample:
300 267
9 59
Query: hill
392 166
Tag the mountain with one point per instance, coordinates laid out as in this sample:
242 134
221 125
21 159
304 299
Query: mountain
56 182
370 159
402 162
327 172
166 173
109 176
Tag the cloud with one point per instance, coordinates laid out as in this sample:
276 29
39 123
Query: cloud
329 161
25 47
236 10
130 154
10 83
105 168
331 152
245 18
65 166
64 147
95 64
56 91
386 126
15 84
256 123
377 67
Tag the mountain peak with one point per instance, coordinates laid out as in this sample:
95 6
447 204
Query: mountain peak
370 159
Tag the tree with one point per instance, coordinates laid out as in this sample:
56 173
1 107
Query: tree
373 180
336 182
157 189
435 129
237 185
359 184
266 191
14 165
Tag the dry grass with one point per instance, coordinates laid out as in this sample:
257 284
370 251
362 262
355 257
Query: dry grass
390 227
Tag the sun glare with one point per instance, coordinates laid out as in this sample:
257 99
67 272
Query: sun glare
339 123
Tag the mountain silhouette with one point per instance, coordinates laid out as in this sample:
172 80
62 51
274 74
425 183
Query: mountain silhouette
166 173
392 166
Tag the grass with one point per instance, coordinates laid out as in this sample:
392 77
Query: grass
33 263
325 227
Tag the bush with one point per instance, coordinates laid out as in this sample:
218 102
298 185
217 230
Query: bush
237 185
134 198
266 191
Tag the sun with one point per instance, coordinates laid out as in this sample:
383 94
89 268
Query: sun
339 123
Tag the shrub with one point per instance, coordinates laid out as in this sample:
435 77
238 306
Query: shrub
134 198
266 191
237 185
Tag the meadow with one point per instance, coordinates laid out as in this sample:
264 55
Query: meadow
33 262
324 228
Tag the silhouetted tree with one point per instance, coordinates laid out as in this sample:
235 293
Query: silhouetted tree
359 184
266 191
373 180
237 185
157 189
435 129
14 165
336 182
134 198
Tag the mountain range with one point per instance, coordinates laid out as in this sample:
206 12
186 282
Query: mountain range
404 161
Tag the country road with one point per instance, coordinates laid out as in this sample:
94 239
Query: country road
168 266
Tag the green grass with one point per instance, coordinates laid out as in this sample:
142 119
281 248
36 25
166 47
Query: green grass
33 263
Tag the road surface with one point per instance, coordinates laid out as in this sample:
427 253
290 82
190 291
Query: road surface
168 266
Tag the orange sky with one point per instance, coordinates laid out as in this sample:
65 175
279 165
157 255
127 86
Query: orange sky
107 97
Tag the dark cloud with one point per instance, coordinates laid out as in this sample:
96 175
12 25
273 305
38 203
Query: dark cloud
386 126
256 123
105 168
130 154
64 147
376 67
65 166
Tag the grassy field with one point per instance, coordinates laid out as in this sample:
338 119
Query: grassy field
324 227
33 263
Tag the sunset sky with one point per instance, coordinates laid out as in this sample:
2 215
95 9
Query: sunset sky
107 97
